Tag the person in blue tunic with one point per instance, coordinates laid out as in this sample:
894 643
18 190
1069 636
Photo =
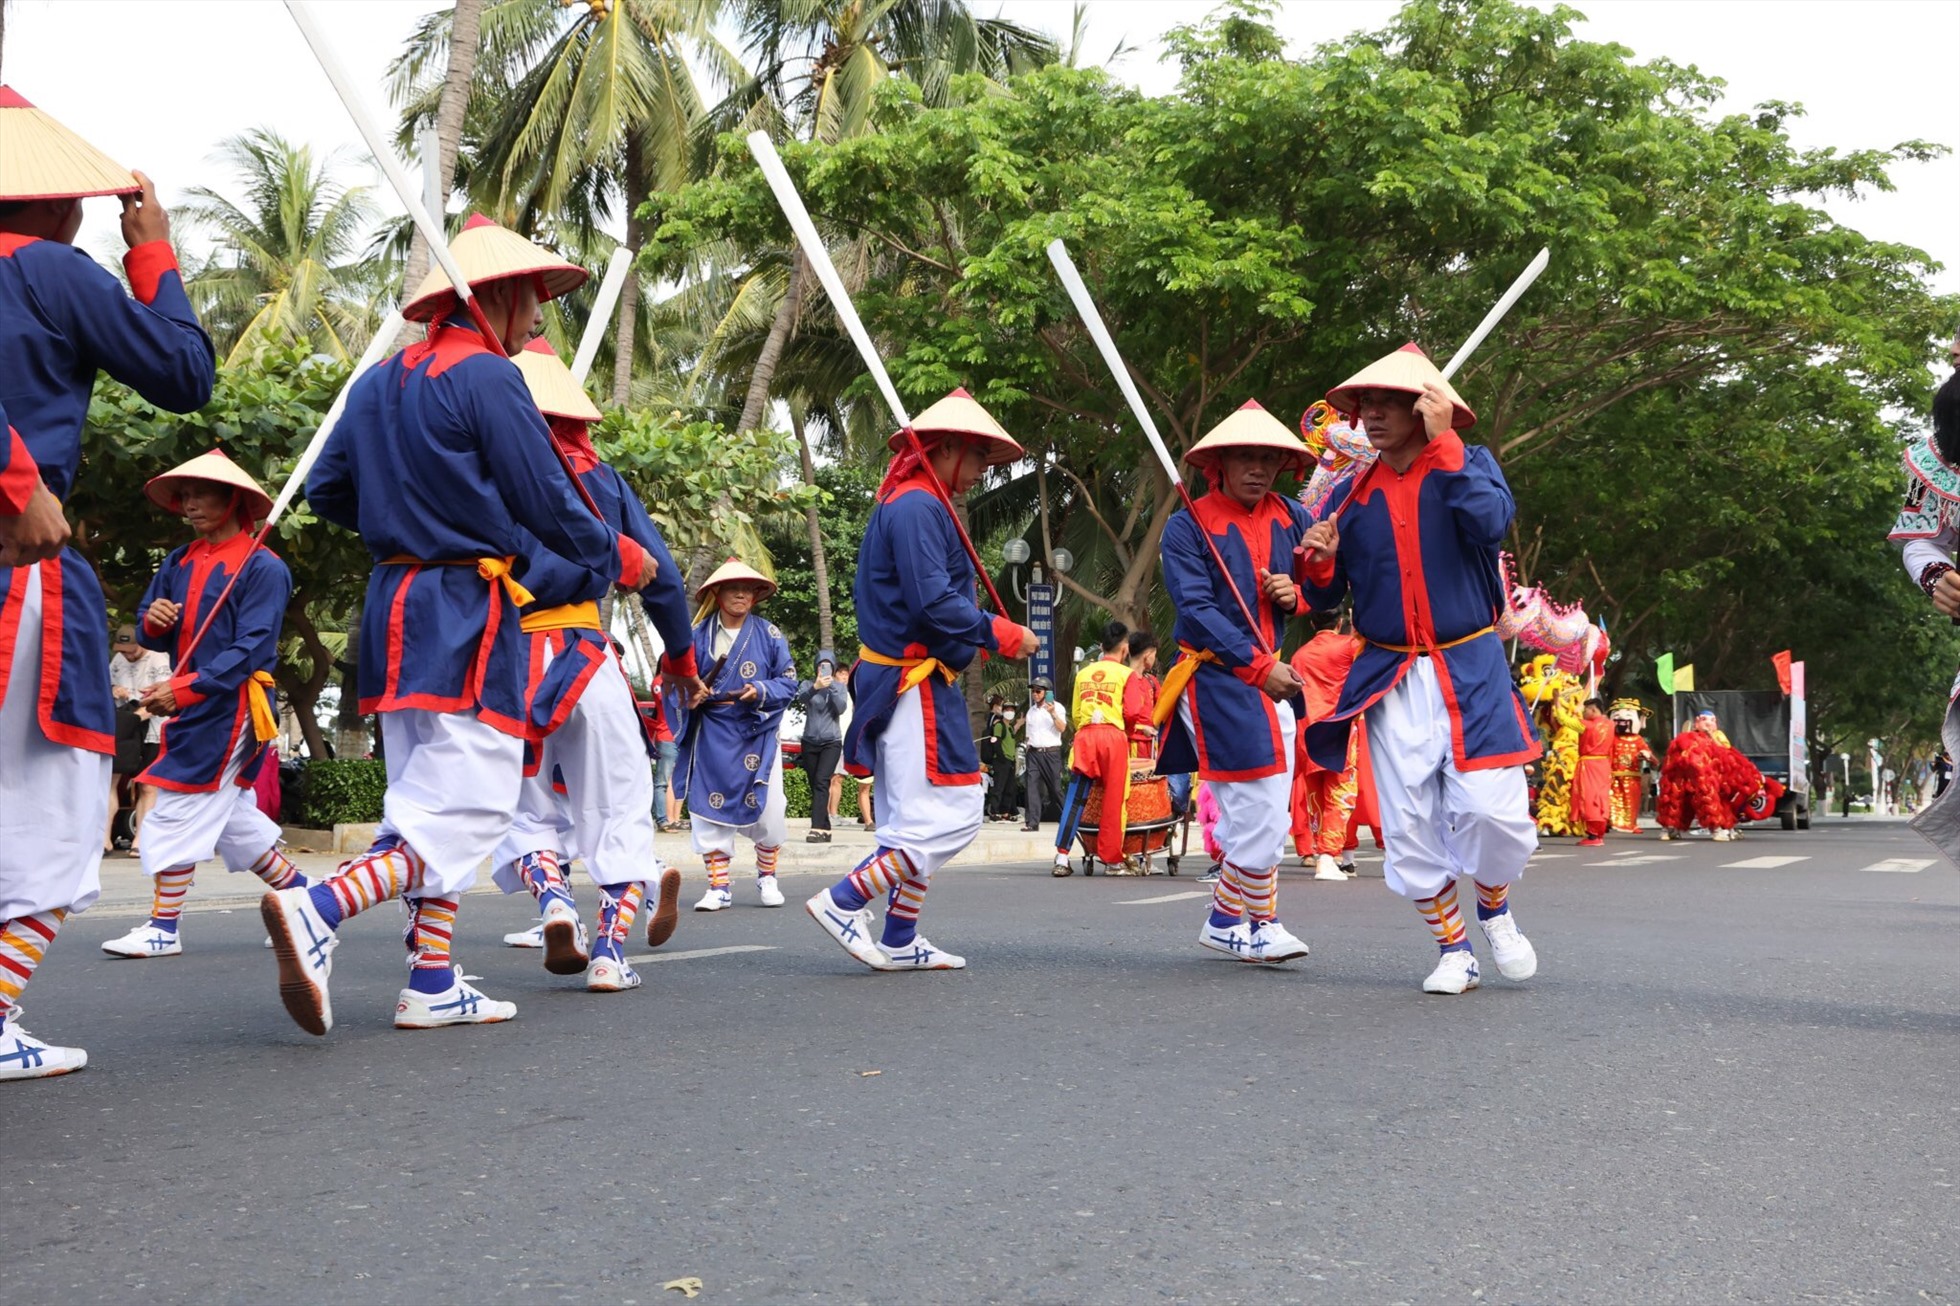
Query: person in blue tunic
730 768
219 699
62 319
444 466
588 788
1229 705
920 628
1415 541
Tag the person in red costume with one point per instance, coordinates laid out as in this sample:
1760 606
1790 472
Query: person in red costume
1323 800
1691 785
1592 783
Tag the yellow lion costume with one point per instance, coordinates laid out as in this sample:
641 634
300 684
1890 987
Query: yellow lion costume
1557 700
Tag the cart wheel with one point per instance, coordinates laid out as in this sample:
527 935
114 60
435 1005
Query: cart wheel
1088 866
1170 865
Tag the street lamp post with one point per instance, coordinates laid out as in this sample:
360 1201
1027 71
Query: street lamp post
1037 598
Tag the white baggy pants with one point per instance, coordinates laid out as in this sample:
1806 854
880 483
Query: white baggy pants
1439 823
54 800
931 824
453 783
1255 817
768 830
185 829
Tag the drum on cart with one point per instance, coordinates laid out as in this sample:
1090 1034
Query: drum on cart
1148 822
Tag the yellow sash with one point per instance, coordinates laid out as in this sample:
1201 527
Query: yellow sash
1175 680
1430 648
496 569
916 669
265 722
570 616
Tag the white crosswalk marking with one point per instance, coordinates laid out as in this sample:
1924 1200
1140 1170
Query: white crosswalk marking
1761 863
1900 865
1641 859
1162 897
696 953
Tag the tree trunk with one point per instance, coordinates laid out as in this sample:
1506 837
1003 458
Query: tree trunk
350 732
624 322
303 693
465 28
757 400
819 569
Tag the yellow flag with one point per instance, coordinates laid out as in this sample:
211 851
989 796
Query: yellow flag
1684 679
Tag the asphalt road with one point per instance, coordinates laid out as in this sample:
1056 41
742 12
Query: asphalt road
1727 1083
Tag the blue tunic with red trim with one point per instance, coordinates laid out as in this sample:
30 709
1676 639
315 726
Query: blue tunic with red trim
212 686
442 458
915 599
1419 553
727 748
63 318
1237 727
578 652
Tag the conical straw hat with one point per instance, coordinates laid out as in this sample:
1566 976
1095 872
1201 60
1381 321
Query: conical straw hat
1251 427
1408 368
166 490
487 252
959 413
735 569
42 160
552 386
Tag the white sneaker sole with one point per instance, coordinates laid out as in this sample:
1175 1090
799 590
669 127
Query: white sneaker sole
605 977
563 953
306 1001
492 1013
142 954
667 908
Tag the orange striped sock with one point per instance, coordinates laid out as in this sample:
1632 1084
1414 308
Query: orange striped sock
718 870
431 927
167 896
765 860
1261 892
617 907
1445 921
903 908
876 876
23 942
277 870
375 876
1227 896
1492 901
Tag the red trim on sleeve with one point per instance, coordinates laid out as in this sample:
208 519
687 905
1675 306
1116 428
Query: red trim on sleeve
682 664
632 560
1007 636
1307 571
180 688
146 265
19 476
1255 672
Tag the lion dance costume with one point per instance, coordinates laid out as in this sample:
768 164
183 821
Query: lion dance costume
1631 753
1557 700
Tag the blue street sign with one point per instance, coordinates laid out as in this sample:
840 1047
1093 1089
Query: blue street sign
1041 620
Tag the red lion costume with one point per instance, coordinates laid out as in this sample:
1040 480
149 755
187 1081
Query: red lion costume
1707 781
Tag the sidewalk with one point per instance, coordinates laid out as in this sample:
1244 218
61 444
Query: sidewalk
999 842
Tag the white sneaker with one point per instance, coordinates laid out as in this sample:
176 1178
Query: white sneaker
1515 957
1273 943
1235 940
531 938
769 891
564 937
610 975
716 900
459 1004
1724 836
1326 868
851 929
146 940
666 898
1455 973
1667 835
22 1056
919 954
304 946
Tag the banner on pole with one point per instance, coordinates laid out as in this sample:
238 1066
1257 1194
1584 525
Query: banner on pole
1041 620
1664 672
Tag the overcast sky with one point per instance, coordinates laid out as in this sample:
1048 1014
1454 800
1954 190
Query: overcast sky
157 85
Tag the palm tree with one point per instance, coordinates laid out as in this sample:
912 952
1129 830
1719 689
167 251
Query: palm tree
464 35
287 262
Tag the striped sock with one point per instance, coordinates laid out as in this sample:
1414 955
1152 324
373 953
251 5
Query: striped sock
875 876
388 869
718 864
1445 921
542 874
1492 901
1261 891
618 905
1227 897
431 924
23 942
167 897
902 909
278 870
765 860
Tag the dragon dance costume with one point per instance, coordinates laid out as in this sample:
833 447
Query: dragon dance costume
1448 734
920 628
63 318
1928 533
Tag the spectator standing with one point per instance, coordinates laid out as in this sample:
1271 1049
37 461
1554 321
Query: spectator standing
1004 799
1043 745
843 678
133 669
665 817
825 700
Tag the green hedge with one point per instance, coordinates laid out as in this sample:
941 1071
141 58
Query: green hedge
337 791
796 795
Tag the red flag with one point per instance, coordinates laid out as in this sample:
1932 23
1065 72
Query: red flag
1782 664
